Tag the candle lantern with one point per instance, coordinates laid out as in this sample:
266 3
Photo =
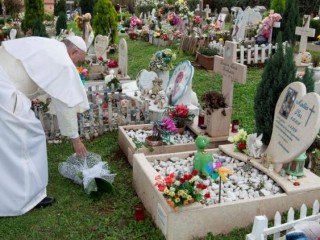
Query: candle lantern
139 213
296 167
235 126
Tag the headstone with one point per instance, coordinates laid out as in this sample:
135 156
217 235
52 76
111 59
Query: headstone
123 59
101 44
180 84
144 80
235 11
219 24
260 9
224 10
207 10
296 124
13 33
304 32
230 70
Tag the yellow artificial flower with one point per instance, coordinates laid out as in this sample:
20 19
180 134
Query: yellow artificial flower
318 37
171 194
177 200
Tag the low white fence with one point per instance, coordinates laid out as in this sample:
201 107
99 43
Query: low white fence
108 110
260 229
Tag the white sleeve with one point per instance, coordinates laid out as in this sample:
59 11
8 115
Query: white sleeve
67 119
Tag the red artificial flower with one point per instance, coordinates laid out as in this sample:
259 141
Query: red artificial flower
187 176
161 187
181 111
201 186
100 58
182 180
242 146
207 195
113 64
195 172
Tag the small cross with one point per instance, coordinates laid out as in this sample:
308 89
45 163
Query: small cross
304 32
311 111
207 10
230 70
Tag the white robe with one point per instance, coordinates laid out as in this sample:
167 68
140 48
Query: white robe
23 164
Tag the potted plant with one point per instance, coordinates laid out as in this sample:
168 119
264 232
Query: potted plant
161 131
181 116
217 114
205 56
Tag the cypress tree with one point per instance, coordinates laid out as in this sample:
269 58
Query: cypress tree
307 79
61 22
278 6
105 19
279 71
39 29
34 11
290 20
60 6
87 6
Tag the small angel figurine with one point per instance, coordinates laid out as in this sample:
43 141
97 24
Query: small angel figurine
254 145
161 100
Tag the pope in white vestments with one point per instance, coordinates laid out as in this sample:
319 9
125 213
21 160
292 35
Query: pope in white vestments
29 67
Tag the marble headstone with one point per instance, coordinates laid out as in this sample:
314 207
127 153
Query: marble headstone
180 84
144 80
123 59
101 44
13 33
296 124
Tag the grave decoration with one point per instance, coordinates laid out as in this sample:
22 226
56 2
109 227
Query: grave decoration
180 114
240 141
90 172
264 32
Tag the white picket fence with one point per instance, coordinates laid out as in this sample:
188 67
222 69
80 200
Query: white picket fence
260 229
255 54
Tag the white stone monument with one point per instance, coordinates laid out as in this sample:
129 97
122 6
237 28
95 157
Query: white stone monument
101 44
123 60
295 126
230 70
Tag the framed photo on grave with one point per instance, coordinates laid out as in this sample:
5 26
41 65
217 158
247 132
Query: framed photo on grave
179 85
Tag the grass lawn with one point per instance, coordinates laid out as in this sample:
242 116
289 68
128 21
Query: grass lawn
75 215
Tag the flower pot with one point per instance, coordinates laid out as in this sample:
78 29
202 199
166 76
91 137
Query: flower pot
181 130
218 125
205 61
153 143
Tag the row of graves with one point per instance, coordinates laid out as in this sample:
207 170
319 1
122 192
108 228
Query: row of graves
206 184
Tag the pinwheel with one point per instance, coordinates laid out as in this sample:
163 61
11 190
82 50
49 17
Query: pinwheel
215 169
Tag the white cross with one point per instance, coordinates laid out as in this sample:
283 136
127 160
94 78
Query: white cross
305 32
207 10
230 70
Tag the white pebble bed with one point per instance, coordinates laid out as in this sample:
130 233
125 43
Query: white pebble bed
246 182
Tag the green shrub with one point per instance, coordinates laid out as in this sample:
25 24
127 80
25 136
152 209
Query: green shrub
34 10
208 51
61 22
316 25
39 29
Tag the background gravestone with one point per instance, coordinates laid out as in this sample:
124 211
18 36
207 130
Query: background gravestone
101 44
123 60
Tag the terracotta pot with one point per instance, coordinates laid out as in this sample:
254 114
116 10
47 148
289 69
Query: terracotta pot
181 130
153 143
205 61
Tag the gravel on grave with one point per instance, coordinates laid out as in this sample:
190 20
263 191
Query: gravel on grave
141 134
246 182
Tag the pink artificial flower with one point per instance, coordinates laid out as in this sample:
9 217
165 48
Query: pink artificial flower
169 124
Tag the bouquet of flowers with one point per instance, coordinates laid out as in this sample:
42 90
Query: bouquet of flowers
113 64
134 21
240 141
180 114
267 24
161 60
83 73
197 20
173 19
182 189
163 129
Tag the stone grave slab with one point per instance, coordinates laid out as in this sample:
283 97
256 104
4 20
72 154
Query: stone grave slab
123 60
129 148
197 220
101 44
296 123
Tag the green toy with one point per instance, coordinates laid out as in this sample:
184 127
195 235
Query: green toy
202 157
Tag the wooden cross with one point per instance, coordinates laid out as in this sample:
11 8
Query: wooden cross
304 32
230 70
207 10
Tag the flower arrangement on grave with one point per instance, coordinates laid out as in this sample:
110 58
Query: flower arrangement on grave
37 105
135 21
180 114
144 35
162 60
240 141
182 189
113 63
83 73
196 20
163 129
173 19
101 61
132 34
265 28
